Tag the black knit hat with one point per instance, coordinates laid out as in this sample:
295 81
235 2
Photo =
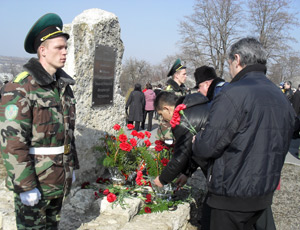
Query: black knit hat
204 73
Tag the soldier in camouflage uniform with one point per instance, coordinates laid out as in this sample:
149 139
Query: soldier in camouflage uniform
37 121
176 85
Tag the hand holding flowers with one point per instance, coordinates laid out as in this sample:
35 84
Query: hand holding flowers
178 112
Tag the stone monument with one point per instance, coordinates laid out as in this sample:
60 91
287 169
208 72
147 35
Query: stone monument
94 60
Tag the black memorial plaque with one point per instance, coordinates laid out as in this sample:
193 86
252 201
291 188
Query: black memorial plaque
104 74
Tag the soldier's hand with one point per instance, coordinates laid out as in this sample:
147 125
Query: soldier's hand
30 198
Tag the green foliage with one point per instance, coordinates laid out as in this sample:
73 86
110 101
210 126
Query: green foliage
153 160
160 205
151 164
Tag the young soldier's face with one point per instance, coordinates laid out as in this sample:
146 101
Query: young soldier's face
180 76
54 52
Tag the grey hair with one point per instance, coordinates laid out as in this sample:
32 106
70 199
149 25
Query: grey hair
250 51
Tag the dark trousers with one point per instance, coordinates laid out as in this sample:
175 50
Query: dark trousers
205 217
232 220
150 117
266 220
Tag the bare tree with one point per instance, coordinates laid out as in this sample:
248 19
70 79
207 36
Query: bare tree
208 32
135 71
272 22
286 68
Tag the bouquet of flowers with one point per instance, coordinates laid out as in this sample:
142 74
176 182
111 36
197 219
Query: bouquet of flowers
122 152
178 112
156 160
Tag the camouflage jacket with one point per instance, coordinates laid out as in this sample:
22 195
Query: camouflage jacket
172 86
36 111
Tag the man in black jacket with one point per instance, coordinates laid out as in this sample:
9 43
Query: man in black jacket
288 90
296 101
196 112
247 137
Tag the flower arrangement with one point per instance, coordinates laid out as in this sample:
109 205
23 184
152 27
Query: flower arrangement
116 195
132 153
156 160
178 112
123 152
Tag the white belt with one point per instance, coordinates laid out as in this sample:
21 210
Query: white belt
46 150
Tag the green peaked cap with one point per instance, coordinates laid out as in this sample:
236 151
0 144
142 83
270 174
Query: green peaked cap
176 66
46 27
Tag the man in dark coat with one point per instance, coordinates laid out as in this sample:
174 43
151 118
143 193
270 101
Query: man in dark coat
288 90
296 106
207 82
136 105
296 101
247 137
196 113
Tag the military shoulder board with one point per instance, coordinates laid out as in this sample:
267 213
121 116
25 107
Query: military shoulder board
21 76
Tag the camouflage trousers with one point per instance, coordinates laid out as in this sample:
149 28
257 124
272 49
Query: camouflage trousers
43 216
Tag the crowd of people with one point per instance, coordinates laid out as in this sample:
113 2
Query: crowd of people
243 127
237 132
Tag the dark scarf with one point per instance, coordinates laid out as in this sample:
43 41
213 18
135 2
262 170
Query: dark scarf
250 68
211 89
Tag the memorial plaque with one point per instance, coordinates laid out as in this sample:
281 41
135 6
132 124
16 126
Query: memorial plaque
104 75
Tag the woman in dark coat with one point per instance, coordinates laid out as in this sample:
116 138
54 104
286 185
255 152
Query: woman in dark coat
136 105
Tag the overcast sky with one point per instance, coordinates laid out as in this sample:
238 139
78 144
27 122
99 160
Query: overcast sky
149 28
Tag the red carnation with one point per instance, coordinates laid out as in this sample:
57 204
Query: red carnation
111 197
134 133
105 192
133 142
122 138
180 107
147 210
159 142
166 147
148 134
164 161
125 146
148 198
158 148
116 127
139 179
175 120
141 135
99 180
106 180
96 195
130 126
85 185
147 142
